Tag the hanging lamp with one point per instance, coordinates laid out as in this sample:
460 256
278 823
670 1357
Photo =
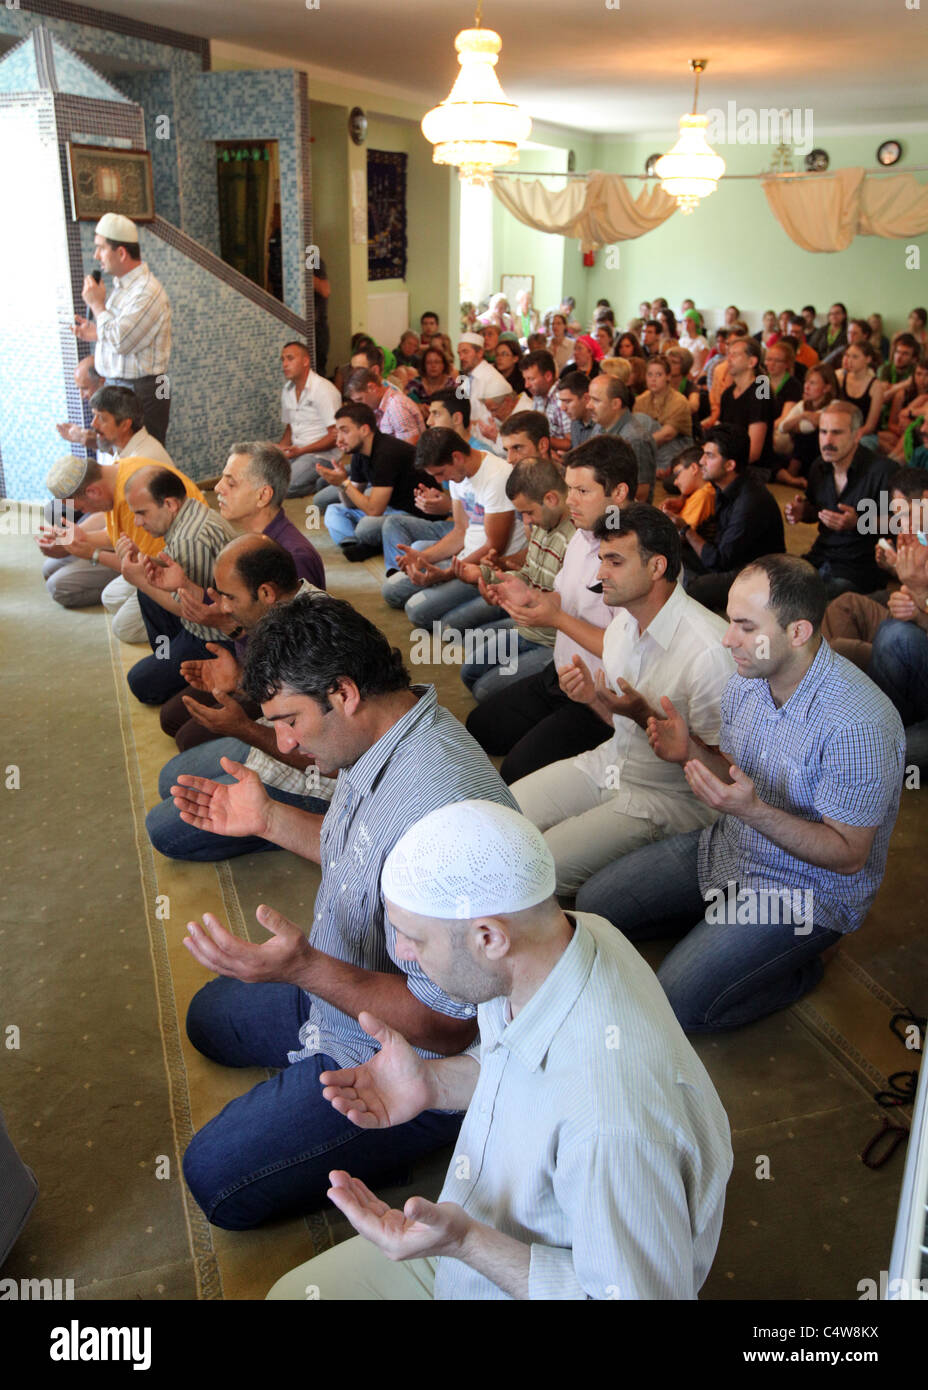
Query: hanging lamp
692 169
475 127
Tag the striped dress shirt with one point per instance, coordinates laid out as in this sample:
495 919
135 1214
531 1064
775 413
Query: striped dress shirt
397 415
134 328
194 539
426 760
594 1135
835 749
543 560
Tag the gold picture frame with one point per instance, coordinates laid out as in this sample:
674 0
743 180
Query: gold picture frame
105 179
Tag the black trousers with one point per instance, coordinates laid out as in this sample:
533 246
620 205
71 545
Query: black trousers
534 724
155 403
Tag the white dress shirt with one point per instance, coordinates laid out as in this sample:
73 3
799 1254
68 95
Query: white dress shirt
134 328
680 655
578 572
143 445
594 1135
311 414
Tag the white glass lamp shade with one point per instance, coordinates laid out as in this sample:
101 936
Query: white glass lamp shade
692 169
475 127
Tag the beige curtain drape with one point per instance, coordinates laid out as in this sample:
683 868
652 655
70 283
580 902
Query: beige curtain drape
826 214
597 211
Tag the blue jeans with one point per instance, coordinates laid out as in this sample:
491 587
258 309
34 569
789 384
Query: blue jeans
496 674
175 839
268 1153
154 679
403 529
351 524
899 666
454 604
721 974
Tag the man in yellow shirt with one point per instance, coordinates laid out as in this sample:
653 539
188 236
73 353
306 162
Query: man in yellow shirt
98 489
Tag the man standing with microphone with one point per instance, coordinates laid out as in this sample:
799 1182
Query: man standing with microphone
132 328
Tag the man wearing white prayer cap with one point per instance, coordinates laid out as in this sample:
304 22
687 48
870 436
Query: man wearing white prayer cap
594 1154
480 378
132 324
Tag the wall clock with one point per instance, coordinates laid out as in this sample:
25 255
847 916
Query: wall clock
890 152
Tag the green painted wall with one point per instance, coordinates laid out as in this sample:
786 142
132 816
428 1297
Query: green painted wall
731 249
331 218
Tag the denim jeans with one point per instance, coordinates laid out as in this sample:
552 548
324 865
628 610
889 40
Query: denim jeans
494 676
899 666
351 524
175 839
403 529
155 678
720 974
269 1153
454 604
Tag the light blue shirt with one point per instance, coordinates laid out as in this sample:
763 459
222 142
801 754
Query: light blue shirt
594 1135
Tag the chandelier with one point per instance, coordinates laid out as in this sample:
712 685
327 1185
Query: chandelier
475 127
692 169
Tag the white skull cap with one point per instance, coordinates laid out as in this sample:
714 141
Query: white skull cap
469 859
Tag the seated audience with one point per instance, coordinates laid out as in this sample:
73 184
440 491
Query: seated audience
604 333
692 339
541 382
878 335
428 327
795 434
673 429
747 402
249 495
406 351
806 356
251 575
858 333
651 339
770 329
88 383
394 413
748 522
918 319
343 372
560 347
669 336
484 519
526 435
379 479
336 692
191 537
527 319
489 332
117 431
844 475
661 643
695 502
619 1198
785 387
538 492
534 723
98 490
904 409
859 384
680 361
897 372
435 374
833 335
806 782
611 404
586 359
307 411
899 659
627 345
574 397
852 619
508 361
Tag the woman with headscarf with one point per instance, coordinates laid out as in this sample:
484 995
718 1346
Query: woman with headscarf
587 356
693 340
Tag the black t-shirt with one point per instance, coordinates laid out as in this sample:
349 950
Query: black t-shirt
752 406
391 463
850 553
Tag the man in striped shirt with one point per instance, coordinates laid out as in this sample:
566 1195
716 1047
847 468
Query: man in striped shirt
335 690
394 413
595 1152
538 492
193 536
132 325
806 778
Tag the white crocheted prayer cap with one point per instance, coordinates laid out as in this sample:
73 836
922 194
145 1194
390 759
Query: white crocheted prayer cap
474 339
469 859
115 226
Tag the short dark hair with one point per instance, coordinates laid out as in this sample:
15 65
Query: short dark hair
809 309
357 412
542 359
163 483
132 248
908 340
360 379
797 590
653 323
610 460
691 454
534 423
266 564
429 314
266 464
453 403
863 325
577 383
911 482
733 442
921 313
121 402
295 342
436 447
372 352
535 477
309 643
655 533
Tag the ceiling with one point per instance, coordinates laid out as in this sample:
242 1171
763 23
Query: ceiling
597 69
